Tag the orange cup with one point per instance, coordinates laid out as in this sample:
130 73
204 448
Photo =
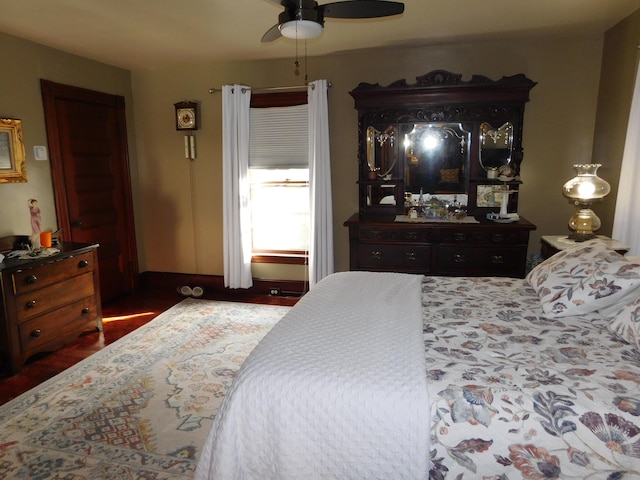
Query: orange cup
45 239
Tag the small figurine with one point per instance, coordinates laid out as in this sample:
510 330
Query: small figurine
35 216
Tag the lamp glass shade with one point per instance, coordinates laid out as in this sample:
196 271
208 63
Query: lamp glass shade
584 189
586 185
300 29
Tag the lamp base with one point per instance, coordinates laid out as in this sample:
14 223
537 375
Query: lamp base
581 236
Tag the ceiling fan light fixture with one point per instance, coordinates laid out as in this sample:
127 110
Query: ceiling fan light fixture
300 29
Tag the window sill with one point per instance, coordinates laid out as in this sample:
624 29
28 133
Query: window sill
282 258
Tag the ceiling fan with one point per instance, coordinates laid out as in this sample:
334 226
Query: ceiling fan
303 19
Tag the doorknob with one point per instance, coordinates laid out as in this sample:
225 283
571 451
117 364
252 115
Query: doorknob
77 223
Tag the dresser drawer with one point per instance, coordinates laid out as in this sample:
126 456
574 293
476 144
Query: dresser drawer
487 260
485 236
55 326
32 304
38 276
407 256
400 233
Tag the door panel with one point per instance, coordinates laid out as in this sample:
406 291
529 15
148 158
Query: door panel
88 149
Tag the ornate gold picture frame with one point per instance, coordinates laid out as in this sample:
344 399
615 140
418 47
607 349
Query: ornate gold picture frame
13 167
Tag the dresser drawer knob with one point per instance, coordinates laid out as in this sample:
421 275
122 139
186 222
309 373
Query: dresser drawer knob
459 258
497 259
83 264
31 304
459 236
31 279
377 254
411 256
85 310
498 237
412 236
36 332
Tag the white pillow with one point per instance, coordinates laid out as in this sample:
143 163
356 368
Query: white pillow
582 279
627 323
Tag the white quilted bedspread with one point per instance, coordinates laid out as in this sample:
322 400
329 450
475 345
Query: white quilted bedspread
336 390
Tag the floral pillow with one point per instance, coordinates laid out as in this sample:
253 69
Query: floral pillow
627 323
582 279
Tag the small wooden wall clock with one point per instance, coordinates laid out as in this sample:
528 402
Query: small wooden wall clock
186 115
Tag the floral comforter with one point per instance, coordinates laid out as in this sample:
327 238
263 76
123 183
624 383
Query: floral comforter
516 395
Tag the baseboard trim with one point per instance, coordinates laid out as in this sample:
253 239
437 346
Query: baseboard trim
215 283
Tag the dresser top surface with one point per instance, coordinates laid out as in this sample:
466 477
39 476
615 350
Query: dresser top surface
65 249
481 223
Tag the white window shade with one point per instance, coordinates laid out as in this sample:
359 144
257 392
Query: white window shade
279 137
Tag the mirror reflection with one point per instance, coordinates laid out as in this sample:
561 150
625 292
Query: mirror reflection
437 158
381 156
495 145
381 194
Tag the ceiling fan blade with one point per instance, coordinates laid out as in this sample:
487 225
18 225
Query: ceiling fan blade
272 34
362 9
285 3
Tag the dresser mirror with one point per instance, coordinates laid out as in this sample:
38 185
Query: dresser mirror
381 151
495 145
437 158
442 135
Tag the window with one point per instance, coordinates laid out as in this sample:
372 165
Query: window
279 210
279 179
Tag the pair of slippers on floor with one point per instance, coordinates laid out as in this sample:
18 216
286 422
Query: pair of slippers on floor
186 291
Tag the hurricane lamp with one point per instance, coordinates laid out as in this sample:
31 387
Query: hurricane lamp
583 189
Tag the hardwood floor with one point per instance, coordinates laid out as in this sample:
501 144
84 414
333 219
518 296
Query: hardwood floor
120 317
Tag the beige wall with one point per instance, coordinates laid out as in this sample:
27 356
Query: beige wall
619 65
22 65
181 207
178 204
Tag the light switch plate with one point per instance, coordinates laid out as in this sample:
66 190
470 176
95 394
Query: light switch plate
40 153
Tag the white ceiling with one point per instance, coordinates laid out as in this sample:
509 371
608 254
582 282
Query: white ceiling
136 34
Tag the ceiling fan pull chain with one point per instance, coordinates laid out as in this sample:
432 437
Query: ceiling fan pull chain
296 71
306 77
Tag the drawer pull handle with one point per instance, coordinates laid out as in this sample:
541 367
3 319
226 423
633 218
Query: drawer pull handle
85 310
459 258
36 332
376 254
412 235
497 259
83 264
31 304
498 237
459 237
31 279
411 256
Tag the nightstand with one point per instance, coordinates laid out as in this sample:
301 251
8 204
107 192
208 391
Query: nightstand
552 244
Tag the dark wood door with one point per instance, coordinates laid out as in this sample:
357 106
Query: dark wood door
86 132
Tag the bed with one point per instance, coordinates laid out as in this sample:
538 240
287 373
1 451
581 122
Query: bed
525 378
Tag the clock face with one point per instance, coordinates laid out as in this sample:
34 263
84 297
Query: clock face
186 118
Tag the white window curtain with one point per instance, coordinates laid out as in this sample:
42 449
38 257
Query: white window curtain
626 223
236 100
321 241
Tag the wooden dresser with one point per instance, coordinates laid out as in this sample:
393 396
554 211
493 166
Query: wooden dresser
441 151
482 249
47 302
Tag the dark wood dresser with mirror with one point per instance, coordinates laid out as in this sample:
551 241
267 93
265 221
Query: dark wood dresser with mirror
47 301
439 175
